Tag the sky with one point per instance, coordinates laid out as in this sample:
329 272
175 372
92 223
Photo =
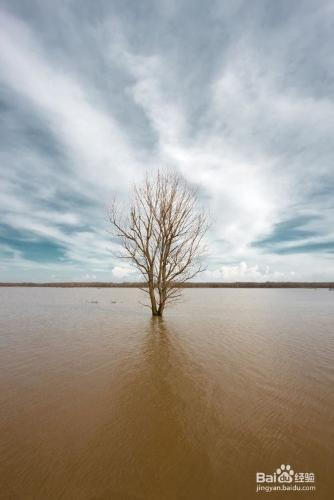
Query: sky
235 95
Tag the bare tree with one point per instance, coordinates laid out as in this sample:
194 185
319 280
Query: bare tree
162 235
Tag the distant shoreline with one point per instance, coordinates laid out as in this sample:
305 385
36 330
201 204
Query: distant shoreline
267 284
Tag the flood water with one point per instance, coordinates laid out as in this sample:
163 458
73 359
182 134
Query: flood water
99 401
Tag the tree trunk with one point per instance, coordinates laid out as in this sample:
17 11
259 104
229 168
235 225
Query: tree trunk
160 311
155 311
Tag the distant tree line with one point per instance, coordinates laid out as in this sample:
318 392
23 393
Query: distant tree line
240 284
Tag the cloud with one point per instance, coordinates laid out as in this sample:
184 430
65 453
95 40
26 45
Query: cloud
245 272
98 150
233 95
121 272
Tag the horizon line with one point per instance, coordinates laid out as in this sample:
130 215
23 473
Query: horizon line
190 284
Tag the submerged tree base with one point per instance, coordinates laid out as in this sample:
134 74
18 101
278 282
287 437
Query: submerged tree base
157 314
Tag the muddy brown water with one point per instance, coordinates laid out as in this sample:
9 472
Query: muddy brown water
99 401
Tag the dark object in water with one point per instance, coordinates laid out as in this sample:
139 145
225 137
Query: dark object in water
113 302
93 302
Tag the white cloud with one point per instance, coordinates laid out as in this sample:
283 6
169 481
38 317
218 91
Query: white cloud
245 272
98 150
124 271
245 198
